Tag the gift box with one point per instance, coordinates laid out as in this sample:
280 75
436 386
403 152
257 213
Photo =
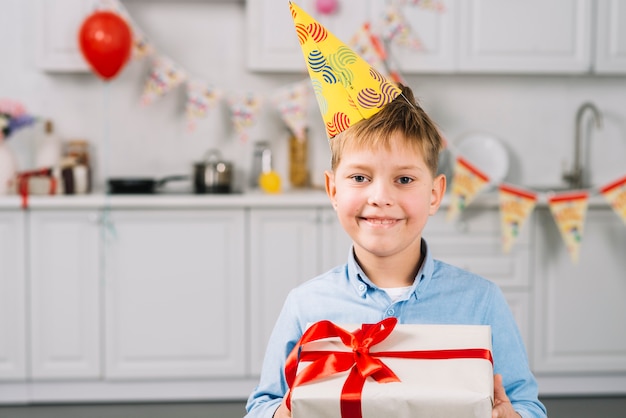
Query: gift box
387 369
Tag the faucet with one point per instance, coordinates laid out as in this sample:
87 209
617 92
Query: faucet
574 177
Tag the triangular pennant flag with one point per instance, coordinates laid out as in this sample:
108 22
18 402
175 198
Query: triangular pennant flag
615 194
347 88
395 28
245 109
164 76
291 102
515 207
467 182
369 47
569 211
200 98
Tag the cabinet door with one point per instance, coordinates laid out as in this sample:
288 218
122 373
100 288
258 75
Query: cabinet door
272 42
580 314
611 37
474 243
65 294
436 31
532 36
175 300
12 296
335 243
283 253
57 34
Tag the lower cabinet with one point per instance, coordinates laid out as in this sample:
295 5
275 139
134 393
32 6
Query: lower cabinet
287 247
174 298
580 314
474 243
65 329
12 296
114 299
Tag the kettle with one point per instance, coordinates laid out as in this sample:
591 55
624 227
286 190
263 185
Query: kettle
212 175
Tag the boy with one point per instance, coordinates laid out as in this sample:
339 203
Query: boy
383 186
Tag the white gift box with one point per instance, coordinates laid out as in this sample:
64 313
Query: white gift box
446 388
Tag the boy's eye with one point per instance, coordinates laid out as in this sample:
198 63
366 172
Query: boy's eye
405 180
358 178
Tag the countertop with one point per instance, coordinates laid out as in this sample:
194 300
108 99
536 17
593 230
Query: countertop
287 199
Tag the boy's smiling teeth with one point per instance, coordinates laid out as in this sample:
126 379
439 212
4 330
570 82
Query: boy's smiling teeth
380 221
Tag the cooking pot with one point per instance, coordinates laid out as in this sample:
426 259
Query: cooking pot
213 175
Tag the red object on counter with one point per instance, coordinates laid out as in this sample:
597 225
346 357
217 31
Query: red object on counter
22 183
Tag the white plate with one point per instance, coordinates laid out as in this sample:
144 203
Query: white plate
487 153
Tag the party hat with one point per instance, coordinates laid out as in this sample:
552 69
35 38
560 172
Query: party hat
346 87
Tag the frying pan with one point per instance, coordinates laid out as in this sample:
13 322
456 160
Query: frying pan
140 185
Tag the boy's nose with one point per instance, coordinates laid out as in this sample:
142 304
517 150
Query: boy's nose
381 194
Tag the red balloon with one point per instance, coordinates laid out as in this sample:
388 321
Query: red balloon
105 41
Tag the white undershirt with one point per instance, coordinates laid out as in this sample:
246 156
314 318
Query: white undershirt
396 293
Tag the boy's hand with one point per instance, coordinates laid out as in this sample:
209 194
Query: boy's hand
502 407
282 411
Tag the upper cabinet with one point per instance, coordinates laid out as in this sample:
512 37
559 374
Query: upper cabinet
58 22
610 48
531 36
272 43
469 36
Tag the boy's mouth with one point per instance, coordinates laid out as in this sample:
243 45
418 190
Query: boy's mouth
380 221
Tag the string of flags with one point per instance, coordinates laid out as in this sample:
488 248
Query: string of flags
291 101
568 208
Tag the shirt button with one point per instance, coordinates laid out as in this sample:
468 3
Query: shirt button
390 312
361 287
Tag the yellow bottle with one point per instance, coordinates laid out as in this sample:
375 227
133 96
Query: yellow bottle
269 180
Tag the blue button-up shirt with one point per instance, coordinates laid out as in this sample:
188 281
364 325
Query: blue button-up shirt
440 294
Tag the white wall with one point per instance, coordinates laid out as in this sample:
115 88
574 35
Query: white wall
533 115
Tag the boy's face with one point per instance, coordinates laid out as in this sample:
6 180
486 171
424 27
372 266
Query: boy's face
383 198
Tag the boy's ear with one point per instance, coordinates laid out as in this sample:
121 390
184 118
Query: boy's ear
331 189
439 189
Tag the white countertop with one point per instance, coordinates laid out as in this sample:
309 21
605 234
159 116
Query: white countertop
287 199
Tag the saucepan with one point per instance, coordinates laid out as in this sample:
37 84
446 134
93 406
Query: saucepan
140 185
213 175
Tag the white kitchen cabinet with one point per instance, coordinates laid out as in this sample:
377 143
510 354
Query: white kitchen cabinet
284 251
580 314
272 44
287 247
64 249
12 296
335 243
474 243
610 57
57 34
175 299
532 36
437 32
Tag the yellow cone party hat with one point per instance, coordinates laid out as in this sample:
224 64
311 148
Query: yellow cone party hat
347 88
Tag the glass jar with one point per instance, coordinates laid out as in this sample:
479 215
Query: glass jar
299 161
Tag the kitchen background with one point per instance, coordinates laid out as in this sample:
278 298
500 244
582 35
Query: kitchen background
530 108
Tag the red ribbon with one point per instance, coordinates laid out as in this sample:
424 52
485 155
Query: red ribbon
22 182
360 361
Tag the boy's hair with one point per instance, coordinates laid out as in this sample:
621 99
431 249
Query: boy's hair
404 116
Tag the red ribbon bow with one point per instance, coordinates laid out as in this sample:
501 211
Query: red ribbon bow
360 361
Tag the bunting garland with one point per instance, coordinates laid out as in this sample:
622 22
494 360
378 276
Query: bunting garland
291 101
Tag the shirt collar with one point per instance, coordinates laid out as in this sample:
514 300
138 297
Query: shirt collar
362 283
